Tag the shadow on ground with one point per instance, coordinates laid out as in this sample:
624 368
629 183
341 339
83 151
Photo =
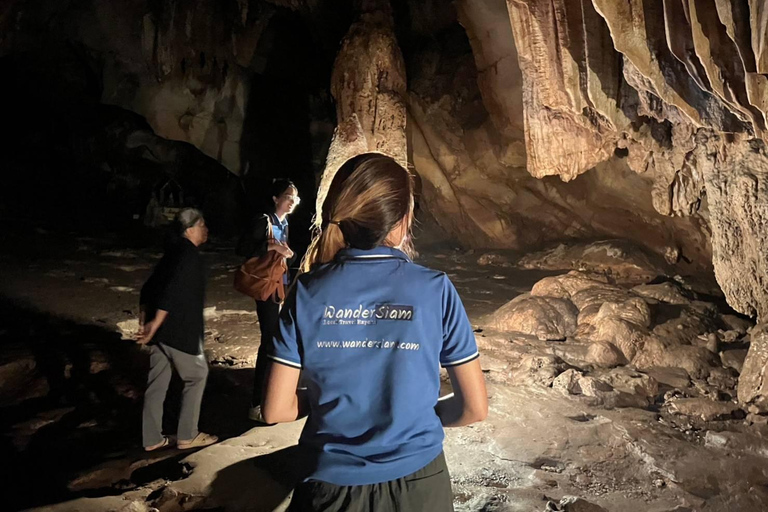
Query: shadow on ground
260 484
70 410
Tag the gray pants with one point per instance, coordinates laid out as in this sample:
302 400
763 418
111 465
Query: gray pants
193 370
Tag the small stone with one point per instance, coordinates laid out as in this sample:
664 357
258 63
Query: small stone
575 504
715 439
757 419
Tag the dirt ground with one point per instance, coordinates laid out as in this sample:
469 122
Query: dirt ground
71 393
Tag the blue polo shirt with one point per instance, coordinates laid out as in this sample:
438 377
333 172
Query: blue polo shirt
370 331
280 232
279 228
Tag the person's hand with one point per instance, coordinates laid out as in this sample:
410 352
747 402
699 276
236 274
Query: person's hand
142 320
147 332
282 250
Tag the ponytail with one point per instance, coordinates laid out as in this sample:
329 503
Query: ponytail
324 246
369 195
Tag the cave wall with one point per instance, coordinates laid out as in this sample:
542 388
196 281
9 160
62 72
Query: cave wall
184 66
525 122
469 131
164 61
680 86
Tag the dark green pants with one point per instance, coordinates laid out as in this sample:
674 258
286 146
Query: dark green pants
428 489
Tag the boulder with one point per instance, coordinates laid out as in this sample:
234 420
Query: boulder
676 378
547 318
631 382
605 355
696 361
633 310
564 286
626 336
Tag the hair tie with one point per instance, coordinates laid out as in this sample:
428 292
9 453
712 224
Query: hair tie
338 223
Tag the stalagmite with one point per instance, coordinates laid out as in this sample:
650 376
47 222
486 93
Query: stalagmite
368 84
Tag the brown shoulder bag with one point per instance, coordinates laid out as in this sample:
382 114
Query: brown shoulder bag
262 278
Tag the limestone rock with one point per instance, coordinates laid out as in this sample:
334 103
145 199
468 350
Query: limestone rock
631 382
596 391
674 377
590 301
667 292
551 45
566 285
737 324
753 381
574 382
574 504
547 318
697 361
605 355
629 338
734 358
704 408
617 258
498 74
738 206
370 112
20 378
538 370
632 310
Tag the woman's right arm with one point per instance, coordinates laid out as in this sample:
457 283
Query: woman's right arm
255 242
469 402
282 402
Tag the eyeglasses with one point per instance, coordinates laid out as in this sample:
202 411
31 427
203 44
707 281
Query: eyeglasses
296 199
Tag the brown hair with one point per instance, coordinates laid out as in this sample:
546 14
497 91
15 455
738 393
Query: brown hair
368 197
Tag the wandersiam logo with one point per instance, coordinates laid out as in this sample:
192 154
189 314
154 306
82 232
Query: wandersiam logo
360 315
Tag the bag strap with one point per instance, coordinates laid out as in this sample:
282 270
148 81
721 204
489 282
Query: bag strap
270 231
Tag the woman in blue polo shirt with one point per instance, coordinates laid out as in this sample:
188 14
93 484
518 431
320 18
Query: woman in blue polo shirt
257 242
369 330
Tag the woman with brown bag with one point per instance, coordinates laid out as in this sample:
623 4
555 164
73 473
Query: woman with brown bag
269 233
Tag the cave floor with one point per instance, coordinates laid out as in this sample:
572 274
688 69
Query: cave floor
70 403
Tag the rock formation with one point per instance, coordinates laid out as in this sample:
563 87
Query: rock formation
676 84
368 84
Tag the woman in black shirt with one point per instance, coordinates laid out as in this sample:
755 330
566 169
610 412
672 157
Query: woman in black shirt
172 302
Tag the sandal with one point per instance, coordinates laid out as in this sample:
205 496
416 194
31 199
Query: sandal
199 441
165 443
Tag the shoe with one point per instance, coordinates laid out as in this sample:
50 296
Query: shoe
165 443
199 441
254 414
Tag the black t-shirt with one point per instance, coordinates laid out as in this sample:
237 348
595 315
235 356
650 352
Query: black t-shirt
177 285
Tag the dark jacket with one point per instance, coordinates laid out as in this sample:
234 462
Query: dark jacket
177 285
253 243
